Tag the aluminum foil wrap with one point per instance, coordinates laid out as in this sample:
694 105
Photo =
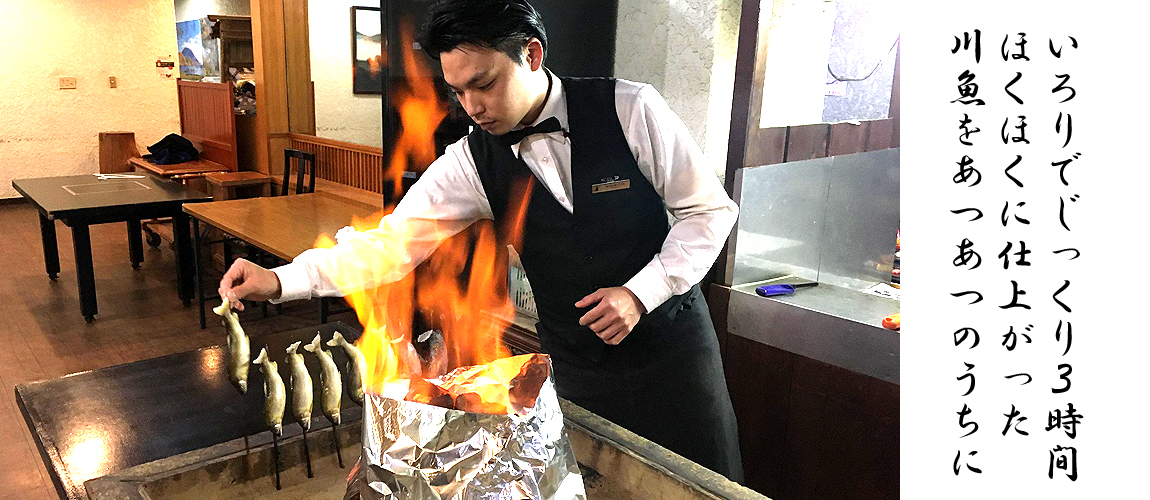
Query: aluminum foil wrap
415 451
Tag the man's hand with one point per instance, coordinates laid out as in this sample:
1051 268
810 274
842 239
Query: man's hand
245 280
616 314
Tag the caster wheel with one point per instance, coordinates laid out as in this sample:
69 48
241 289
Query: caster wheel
135 265
89 319
152 238
53 276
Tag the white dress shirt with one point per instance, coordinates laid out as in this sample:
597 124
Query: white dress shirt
448 197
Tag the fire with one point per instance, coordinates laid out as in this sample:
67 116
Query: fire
459 290
420 111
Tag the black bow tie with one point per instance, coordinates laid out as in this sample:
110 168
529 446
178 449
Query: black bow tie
545 127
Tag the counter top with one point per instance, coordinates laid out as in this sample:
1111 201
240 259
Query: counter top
832 324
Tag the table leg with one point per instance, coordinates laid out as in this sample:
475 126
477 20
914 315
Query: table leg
51 252
135 243
185 264
199 272
85 275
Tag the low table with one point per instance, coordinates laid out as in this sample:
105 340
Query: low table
80 201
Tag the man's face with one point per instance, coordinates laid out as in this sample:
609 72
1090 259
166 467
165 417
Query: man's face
491 87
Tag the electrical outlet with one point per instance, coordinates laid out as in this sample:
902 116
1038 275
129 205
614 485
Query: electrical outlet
67 82
112 82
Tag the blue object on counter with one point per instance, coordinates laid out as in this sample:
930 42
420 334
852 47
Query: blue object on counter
774 290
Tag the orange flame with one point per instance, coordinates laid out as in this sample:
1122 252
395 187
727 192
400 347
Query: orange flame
461 289
420 112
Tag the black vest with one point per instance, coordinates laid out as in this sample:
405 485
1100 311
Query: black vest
611 236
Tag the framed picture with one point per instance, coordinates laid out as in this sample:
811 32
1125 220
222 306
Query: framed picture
368 51
191 49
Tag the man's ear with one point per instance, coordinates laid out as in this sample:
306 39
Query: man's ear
534 54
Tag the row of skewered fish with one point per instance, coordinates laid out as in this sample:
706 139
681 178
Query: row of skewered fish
275 392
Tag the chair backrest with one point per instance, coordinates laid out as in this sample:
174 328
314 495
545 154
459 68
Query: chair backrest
305 162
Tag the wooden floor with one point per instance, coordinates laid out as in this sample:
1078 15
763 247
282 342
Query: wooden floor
43 336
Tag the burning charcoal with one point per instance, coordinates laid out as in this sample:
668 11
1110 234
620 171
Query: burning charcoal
432 352
474 403
422 391
524 388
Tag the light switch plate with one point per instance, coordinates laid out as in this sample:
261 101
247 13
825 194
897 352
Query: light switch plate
67 82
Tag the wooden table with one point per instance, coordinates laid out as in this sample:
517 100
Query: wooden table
80 201
284 226
94 423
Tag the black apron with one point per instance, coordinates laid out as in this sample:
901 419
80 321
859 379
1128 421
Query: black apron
665 380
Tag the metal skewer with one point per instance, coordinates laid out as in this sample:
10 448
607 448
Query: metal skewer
276 456
335 441
306 452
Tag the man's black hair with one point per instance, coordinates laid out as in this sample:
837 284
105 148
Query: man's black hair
503 25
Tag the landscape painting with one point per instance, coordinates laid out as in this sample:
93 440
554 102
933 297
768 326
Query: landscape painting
368 50
191 49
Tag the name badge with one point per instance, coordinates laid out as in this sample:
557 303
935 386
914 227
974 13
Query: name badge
604 187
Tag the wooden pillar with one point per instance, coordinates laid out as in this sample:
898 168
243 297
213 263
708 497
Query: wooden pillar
272 84
301 104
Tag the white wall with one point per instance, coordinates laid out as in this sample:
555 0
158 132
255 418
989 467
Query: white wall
45 131
187 10
686 49
339 114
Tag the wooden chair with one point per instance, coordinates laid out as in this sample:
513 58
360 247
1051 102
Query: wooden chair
305 164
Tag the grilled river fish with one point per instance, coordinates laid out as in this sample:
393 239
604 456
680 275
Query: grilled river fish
239 347
330 381
273 393
300 387
356 367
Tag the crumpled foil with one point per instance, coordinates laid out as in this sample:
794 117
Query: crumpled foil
414 451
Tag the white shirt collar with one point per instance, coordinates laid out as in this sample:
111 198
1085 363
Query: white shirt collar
556 104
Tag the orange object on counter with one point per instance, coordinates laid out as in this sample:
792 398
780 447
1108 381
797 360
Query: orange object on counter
892 322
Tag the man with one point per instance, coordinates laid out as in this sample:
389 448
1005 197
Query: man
620 310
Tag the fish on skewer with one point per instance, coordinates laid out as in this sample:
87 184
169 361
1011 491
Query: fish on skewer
274 393
330 381
356 367
239 347
300 396
330 389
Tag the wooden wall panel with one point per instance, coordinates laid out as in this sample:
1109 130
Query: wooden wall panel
847 138
346 163
880 135
766 146
208 118
805 142
810 430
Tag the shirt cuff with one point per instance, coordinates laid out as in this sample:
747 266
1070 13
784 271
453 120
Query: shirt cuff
294 283
651 285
